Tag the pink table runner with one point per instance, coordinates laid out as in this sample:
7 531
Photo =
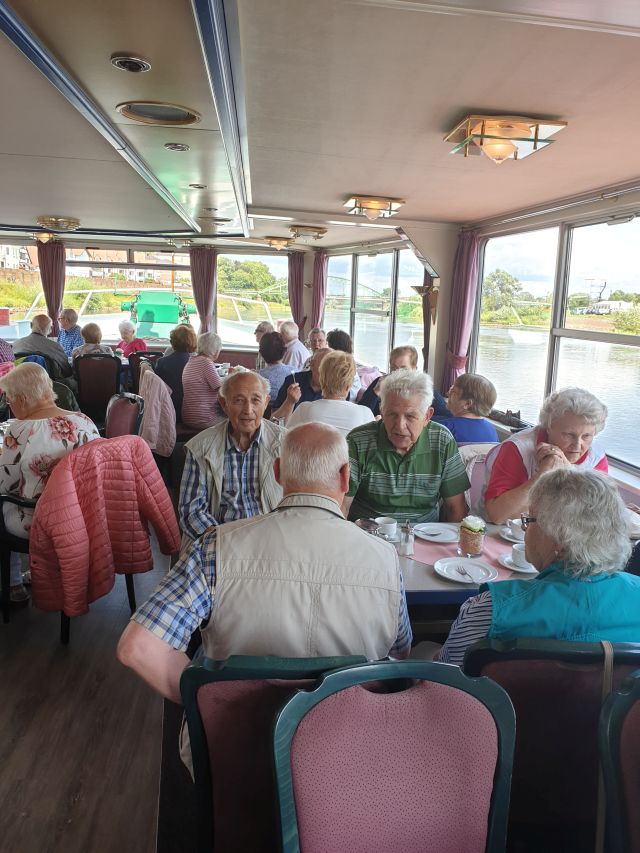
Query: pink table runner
494 547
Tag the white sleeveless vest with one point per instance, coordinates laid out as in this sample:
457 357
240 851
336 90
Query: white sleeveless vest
302 582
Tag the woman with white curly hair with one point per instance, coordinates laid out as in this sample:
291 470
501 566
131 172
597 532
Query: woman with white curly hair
576 536
568 423
39 436
129 343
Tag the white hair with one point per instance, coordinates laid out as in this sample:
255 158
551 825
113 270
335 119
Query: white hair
228 381
209 343
408 383
583 512
29 381
312 455
41 324
126 326
289 330
70 314
573 401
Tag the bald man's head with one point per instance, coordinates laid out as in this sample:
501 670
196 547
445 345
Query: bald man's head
312 458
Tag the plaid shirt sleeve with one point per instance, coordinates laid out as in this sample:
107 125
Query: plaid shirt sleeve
472 624
402 645
193 505
184 597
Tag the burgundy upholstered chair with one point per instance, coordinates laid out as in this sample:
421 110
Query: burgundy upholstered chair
98 376
124 415
230 707
423 767
556 690
150 355
619 737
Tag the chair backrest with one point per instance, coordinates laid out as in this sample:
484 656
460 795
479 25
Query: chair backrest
556 691
124 415
423 767
474 457
230 707
65 398
42 360
150 355
619 738
98 378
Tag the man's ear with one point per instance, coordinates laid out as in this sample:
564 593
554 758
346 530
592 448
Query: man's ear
428 415
276 470
344 478
223 404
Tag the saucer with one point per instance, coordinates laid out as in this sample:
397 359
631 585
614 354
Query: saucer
506 533
506 561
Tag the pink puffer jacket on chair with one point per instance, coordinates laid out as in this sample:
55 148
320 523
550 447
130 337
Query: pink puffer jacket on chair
92 521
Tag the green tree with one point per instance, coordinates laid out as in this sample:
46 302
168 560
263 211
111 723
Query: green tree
621 296
627 322
500 289
235 276
579 300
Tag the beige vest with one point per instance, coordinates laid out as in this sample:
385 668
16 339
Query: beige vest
302 582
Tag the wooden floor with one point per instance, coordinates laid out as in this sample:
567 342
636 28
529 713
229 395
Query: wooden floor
80 736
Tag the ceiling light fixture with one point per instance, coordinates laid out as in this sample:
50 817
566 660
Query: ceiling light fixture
278 243
373 206
134 64
43 237
502 138
197 186
158 112
58 223
307 233
177 146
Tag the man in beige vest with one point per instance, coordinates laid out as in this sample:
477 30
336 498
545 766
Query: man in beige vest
298 582
228 470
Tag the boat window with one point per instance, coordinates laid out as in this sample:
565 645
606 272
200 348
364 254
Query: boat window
337 309
408 327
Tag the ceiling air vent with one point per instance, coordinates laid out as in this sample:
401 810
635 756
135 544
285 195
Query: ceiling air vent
156 112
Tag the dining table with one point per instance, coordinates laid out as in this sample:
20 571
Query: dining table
424 586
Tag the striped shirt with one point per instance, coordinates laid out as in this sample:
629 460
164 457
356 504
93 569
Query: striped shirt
385 482
184 600
240 497
70 339
472 624
6 352
200 385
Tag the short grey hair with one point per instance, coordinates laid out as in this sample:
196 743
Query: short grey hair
41 324
583 512
264 326
126 326
289 330
573 401
70 314
209 344
29 381
231 378
312 455
407 383
316 331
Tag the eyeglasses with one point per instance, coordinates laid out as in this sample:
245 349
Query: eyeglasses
527 520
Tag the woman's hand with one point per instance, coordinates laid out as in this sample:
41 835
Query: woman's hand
294 393
549 457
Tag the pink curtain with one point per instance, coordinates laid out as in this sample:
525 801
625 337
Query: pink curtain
204 282
296 290
463 297
51 260
320 264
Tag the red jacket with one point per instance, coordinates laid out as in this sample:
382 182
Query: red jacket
92 521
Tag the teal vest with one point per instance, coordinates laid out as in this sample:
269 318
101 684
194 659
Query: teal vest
553 605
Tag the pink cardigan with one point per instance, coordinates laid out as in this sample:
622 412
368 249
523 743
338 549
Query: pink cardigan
92 521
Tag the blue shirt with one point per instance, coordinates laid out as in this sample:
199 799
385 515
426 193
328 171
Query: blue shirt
240 494
469 430
307 393
275 374
70 339
169 368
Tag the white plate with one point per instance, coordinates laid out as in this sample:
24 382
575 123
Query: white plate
506 533
435 532
480 572
506 561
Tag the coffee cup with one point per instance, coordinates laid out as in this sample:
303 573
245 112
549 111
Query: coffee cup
515 527
387 526
518 557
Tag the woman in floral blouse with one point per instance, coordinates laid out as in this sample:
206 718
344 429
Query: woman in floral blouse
34 443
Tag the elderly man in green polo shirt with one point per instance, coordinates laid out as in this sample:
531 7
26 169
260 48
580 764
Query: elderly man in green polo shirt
405 466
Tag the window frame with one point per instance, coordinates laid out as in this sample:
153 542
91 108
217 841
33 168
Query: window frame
557 331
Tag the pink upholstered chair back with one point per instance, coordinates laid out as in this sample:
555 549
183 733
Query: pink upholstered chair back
238 718
629 759
402 772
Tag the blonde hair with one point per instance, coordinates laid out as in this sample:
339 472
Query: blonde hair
478 391
183 338
336 373
91 333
